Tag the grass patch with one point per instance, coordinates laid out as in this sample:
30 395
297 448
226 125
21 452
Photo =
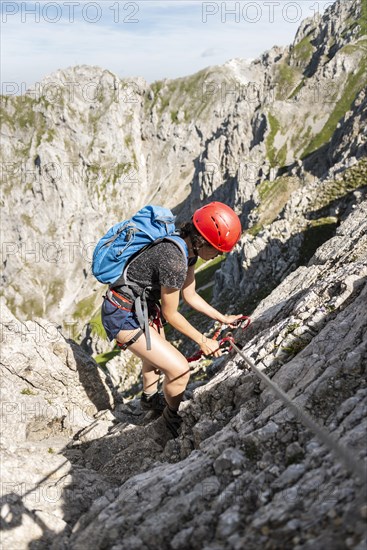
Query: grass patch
302 52
174 117
29 308
286 79
353 86
131 367
353 178
291 327
207 293
282 155
199 263
85 308
96 325
28 220
303 139
295 347
363 19
32 307
27 391
128 141
267 188
103 358
275 157
273 196
350 49
55 291
20 112
274 129
297 89
193 95
207 273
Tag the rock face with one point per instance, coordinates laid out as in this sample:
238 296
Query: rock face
84 468
221 132
50 391
304 219
245 471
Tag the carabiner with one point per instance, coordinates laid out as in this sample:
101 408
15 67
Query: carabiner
226 341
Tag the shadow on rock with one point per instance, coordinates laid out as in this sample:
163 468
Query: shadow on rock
90 378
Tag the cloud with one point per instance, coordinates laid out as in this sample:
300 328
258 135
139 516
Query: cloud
210 52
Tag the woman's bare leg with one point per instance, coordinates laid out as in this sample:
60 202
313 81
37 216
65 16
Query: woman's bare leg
162 356
150 378
149 372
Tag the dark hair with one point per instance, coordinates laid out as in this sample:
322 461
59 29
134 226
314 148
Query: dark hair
189 230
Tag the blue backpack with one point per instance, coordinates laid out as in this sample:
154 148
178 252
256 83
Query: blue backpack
124 241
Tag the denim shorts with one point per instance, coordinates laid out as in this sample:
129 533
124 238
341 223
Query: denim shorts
115 319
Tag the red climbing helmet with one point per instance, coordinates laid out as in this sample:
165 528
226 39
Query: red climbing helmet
218 224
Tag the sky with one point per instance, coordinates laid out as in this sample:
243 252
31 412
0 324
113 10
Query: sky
148 38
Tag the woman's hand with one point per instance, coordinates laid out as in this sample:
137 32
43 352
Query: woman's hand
230 320
210 347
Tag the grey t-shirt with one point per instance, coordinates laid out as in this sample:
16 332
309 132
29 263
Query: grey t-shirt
162 264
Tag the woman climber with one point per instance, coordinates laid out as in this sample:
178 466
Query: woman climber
165 271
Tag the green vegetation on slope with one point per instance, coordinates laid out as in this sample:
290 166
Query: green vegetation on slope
273 196
330 191
96 325
286 79
363 19
302 52
103 358
24 114
206 274
353 86
274 129
191 96
27 118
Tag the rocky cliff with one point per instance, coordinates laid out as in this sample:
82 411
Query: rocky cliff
79 473
283 140
85 148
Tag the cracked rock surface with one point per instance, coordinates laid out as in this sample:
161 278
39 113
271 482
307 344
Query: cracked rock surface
244 472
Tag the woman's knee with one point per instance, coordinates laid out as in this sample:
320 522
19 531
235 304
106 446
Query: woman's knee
179 374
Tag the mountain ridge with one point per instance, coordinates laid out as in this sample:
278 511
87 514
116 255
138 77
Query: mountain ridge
82 466
89 131
103 137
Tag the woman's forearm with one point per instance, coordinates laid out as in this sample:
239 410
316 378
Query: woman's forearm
198 303
179 322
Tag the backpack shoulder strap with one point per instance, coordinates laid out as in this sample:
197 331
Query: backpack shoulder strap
140 302
179 241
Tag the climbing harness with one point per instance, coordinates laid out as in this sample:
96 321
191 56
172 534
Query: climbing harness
118 300
154 317
132 340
